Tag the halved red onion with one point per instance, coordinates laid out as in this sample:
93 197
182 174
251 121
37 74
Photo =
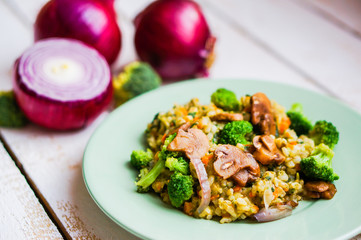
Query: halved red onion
62 83
273 213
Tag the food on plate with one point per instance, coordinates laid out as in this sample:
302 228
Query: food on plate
62 84
174 37
135 79
236 158
91 21
299 122
10 113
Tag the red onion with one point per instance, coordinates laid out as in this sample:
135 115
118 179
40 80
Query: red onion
62 83
91 21
174 37
273 213
203 181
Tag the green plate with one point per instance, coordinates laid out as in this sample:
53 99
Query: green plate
110 179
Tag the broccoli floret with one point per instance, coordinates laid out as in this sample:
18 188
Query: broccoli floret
147 179
10 113
235 132
136 78
299 122
324 132
141 159
180 188
142 173
225 99
319 164
177 165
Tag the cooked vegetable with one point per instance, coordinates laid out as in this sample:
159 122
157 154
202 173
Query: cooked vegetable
137 78
177 165
324 132
180 188
235 132
319 164
225 99
141 159
262 114
62 83
273 213
140 188
299 122
195 144
10 113
91 21
147 178
177 47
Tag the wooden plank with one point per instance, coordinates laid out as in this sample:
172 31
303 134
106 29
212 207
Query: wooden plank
312 45
345 14
22 216
17 39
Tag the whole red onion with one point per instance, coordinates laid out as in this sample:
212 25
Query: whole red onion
174 37
91 21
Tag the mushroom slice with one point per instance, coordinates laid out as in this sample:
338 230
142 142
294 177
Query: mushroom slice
257 142
266 150
241 178
320 189
233 162
264 156
269 143
261 113
228 160
224 116
249 173
193 142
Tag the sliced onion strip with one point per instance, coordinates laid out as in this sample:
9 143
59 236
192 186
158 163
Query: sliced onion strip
203 181
273 213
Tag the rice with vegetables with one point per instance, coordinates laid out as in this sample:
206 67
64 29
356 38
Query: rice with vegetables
236 158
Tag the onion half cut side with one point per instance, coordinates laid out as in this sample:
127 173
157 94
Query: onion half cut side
62 84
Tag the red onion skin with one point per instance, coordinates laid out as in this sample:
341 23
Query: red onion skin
55 114
91 21
174 37
273 213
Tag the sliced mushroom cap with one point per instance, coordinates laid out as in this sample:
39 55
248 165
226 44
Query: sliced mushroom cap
257 142
225 116
261 112
241 178
320 189
193 142
269 143
266 150
230 161
330 192
248 174
253 167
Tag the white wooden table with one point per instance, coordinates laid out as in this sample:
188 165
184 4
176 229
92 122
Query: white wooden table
315 44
